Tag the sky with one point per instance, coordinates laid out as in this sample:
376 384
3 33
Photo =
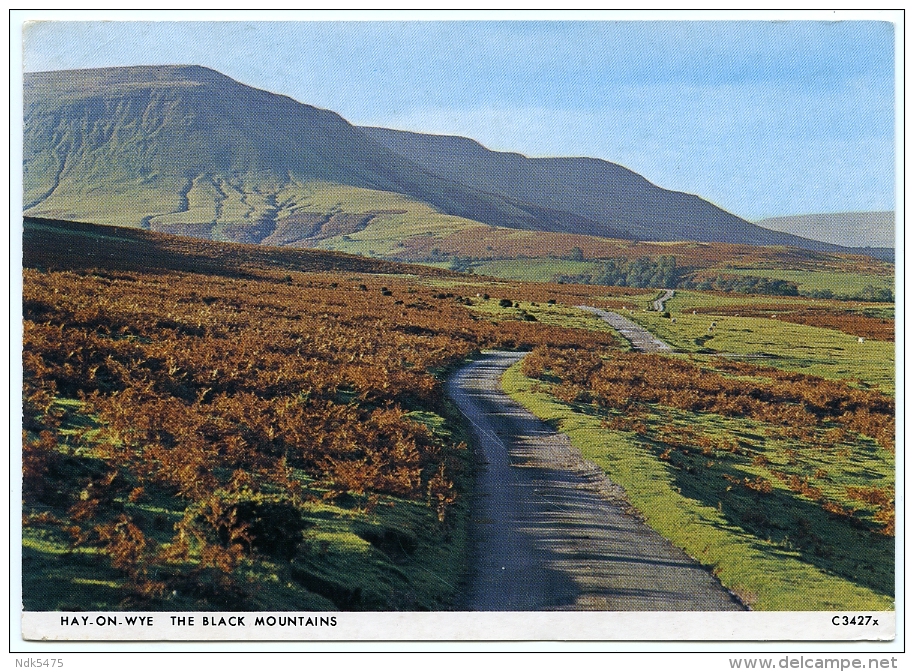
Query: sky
763 118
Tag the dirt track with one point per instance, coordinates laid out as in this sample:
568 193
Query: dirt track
550 531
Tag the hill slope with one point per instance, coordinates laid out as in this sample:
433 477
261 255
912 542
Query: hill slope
184 149
186 146
855 229
599 191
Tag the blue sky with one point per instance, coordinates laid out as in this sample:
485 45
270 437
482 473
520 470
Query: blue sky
762 118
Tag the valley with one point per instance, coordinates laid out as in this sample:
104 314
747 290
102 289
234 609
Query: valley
185 149
223 426
276 361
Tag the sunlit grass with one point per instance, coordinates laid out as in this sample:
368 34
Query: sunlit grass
768 573
826 353
850 283
533 270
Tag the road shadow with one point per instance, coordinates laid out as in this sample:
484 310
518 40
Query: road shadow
550 532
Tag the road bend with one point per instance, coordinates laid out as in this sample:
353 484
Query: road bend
550 531
659 303
640 338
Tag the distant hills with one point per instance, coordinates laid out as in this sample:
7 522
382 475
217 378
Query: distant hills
184 149
611 197
875 230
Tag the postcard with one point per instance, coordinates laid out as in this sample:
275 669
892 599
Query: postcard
470 329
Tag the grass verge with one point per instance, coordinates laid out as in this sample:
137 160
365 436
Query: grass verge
816 351
765 574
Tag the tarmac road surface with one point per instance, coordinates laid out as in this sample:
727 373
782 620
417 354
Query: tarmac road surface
550 531
660 304
640 338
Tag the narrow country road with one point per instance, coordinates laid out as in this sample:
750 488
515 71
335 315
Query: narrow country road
550 531
660 303
640 338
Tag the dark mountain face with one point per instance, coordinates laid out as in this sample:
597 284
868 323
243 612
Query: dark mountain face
185 146
610 196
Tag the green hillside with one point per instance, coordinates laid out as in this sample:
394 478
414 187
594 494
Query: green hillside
187 149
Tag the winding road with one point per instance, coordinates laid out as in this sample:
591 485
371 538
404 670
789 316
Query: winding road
640 338
660 303
550 531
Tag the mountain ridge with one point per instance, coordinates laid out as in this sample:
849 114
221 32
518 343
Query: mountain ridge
650 210
874 229
184 148
216 126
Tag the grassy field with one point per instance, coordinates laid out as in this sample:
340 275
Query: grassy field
543 313
686 301
771 546
355 553
790 517
532 270
842 284
795 347
332 474
159 373
215 426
